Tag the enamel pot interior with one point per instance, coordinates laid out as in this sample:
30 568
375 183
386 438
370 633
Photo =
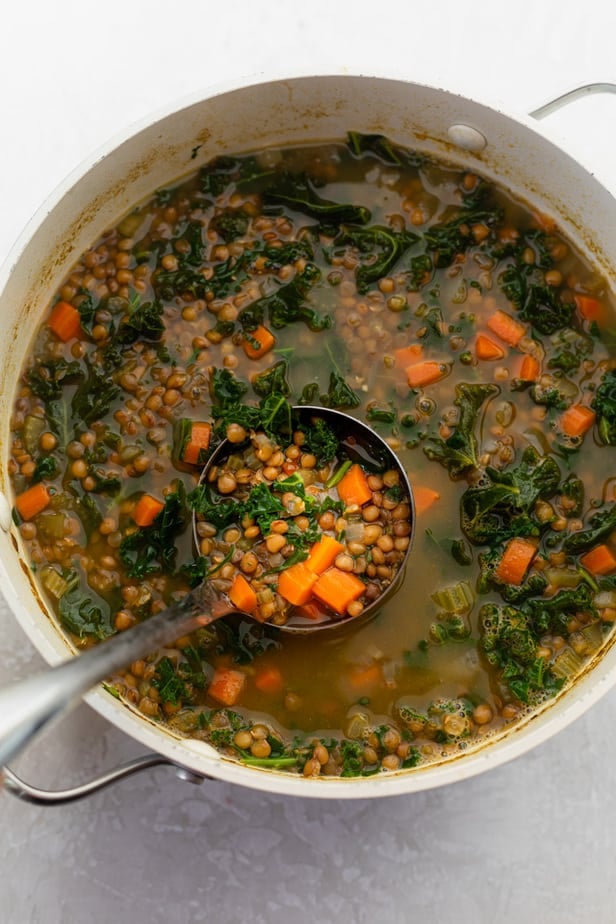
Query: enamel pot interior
243 118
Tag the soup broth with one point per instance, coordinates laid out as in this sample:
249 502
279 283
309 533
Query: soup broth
424 300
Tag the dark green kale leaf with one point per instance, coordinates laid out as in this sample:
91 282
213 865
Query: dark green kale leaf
310 394
218 174
87 309
604 405
458 452
533 585
510 643
552 614
142 321
380 248
298 192
80 614
287 305
573 488
219 513
500 505
176 683
152 548
263 506
321 441
230 224
272 380
537 303
226 389
379 146
47 378
450 238
96 392
600 526
45 467
340 394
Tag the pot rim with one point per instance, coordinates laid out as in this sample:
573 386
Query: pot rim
597 680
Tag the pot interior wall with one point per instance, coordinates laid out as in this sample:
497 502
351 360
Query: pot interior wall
244 119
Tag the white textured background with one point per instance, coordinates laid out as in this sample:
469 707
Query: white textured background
531 841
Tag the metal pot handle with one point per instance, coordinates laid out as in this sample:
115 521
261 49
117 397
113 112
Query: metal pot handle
27 793
589 89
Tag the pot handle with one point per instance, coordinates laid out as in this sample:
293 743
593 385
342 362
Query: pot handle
25 792
589 89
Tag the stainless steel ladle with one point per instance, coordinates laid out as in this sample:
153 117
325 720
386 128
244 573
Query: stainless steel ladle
29 705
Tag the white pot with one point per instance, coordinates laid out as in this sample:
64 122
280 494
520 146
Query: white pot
513 151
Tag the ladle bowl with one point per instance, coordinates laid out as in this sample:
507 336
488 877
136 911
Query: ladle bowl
28 706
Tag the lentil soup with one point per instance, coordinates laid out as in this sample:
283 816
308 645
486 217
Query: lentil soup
362 276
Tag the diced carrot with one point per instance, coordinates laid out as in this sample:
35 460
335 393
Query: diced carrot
353 487
263 337
425 373
506 328
198 444
32 501
269 680
577 420
591 309
65 321
296 583
600 560
516 560
337 589
530 368
242 594
485 348
323 554
364 679
146 510
408 355
424 498
312 610
226 686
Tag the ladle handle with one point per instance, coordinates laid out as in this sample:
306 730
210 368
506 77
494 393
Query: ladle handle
29 705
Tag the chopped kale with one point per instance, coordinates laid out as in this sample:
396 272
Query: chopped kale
45 467
379 146
604 405
448 239
79 612
95 393
142 321
152 548
230 224
501 504
340 394
322 441
225 388
601 524
272 380
287 305
298 192
380 249
458 452
47 378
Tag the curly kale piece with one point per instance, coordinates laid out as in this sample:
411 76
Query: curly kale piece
152 548
604 405
500 505
298 192
510 641
380 249
600 526
458 452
